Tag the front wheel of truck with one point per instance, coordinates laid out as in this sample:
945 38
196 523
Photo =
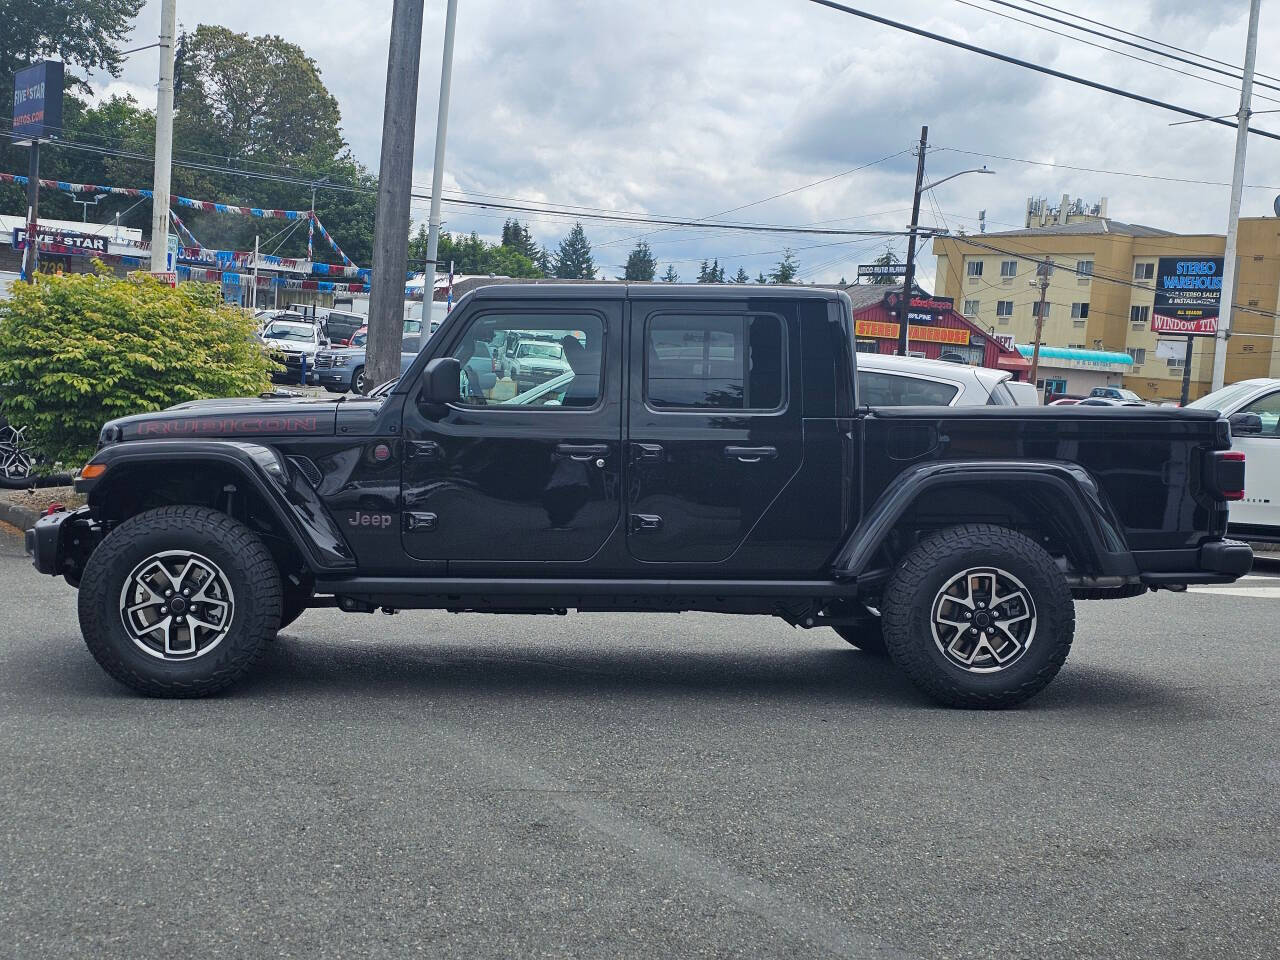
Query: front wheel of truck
179 601
978 616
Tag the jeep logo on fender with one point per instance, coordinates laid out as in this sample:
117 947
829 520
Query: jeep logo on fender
359 519
221 426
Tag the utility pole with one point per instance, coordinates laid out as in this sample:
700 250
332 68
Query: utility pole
253 291
31 255
1044 270
164 140
437 167
395 184
1233 214
909 278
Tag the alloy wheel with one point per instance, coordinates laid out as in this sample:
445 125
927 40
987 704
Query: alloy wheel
16 458
177 605
983 620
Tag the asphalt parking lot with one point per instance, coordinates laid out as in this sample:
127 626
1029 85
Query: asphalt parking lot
609 786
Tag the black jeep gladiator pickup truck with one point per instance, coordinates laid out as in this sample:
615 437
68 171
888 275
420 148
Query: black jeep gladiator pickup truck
682 448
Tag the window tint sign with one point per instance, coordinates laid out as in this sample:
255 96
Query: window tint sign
1188 295
37 101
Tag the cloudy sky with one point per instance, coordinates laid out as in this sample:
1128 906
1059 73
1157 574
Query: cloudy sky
687 109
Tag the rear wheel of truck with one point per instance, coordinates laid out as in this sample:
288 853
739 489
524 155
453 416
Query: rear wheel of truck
978 616
179 601
357 381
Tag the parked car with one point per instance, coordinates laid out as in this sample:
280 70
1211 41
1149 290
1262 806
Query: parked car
342 370
889 381
534 360
1253 407
1109 402
291 341
1115 393
339 327
710 454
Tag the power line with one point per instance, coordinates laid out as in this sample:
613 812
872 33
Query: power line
1115 39
1048 71
1129 33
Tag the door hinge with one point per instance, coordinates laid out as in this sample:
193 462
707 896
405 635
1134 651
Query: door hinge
425 450
414 522
645 522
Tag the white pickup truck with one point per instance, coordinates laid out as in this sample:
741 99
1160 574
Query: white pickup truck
1253 407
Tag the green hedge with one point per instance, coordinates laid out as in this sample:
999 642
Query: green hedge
78 350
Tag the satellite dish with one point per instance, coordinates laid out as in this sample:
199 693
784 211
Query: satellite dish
1276 206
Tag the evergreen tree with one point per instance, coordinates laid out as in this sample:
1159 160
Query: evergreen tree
761 278
671 276
640 264
573 258
886 259
717 272
704 273
741 276
517 236
786 269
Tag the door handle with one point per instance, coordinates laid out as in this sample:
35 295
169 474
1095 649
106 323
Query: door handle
751 454
646 451
425 450
582 451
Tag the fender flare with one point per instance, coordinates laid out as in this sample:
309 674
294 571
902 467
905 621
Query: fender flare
1075 492
292 501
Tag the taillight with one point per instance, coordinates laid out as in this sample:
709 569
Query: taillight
1228 474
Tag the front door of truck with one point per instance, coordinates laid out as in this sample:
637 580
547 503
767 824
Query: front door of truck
526 473
714 427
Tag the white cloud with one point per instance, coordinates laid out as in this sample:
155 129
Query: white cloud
687 109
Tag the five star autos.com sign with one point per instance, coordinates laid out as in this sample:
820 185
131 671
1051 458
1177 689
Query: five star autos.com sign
62 241
37 101
1188 296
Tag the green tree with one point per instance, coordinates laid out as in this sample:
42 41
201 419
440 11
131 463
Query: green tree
786 269
761 278
671 276
711 272
470 255
517 236
80 349
573 258
740 276
886 259
640 264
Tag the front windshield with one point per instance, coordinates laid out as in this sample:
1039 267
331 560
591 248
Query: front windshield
360 339
1222 399
298 332
545 351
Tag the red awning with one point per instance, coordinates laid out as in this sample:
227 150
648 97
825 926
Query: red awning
1014 363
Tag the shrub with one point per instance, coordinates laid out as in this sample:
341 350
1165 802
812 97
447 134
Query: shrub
78 350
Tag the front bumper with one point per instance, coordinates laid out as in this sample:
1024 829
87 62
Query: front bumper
59 544
1220 561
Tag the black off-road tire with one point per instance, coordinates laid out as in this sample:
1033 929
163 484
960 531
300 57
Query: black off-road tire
907 610
866 635
248 566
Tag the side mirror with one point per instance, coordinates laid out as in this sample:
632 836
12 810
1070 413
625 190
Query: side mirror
1245 424
441 379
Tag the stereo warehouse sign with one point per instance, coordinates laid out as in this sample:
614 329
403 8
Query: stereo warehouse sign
1188 296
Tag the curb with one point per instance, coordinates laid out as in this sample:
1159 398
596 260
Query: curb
20 517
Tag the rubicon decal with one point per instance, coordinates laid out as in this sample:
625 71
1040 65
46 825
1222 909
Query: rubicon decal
224 426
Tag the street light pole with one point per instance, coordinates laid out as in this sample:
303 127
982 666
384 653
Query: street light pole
1233 212
164 140
909 271
437 167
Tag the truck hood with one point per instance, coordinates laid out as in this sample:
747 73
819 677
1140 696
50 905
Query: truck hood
234 418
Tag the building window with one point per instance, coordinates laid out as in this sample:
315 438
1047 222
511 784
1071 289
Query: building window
1139 355
1176 363
1004 308
974 268
1139 315
1144 271
971 308
1009 268
1075 346
1035 309
1079 311
1084 268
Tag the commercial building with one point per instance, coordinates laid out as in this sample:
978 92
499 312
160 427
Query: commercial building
1102 291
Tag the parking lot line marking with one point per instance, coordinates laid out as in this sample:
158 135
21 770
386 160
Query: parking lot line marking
1228 590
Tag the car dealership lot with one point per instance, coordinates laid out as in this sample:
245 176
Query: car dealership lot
603 785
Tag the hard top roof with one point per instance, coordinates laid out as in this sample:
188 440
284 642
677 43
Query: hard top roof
666 291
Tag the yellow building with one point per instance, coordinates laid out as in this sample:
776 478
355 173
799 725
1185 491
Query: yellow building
1102 289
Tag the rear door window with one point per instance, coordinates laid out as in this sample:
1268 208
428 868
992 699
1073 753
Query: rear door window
900 390
715 361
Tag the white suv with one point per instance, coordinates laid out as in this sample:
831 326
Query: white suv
886 381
